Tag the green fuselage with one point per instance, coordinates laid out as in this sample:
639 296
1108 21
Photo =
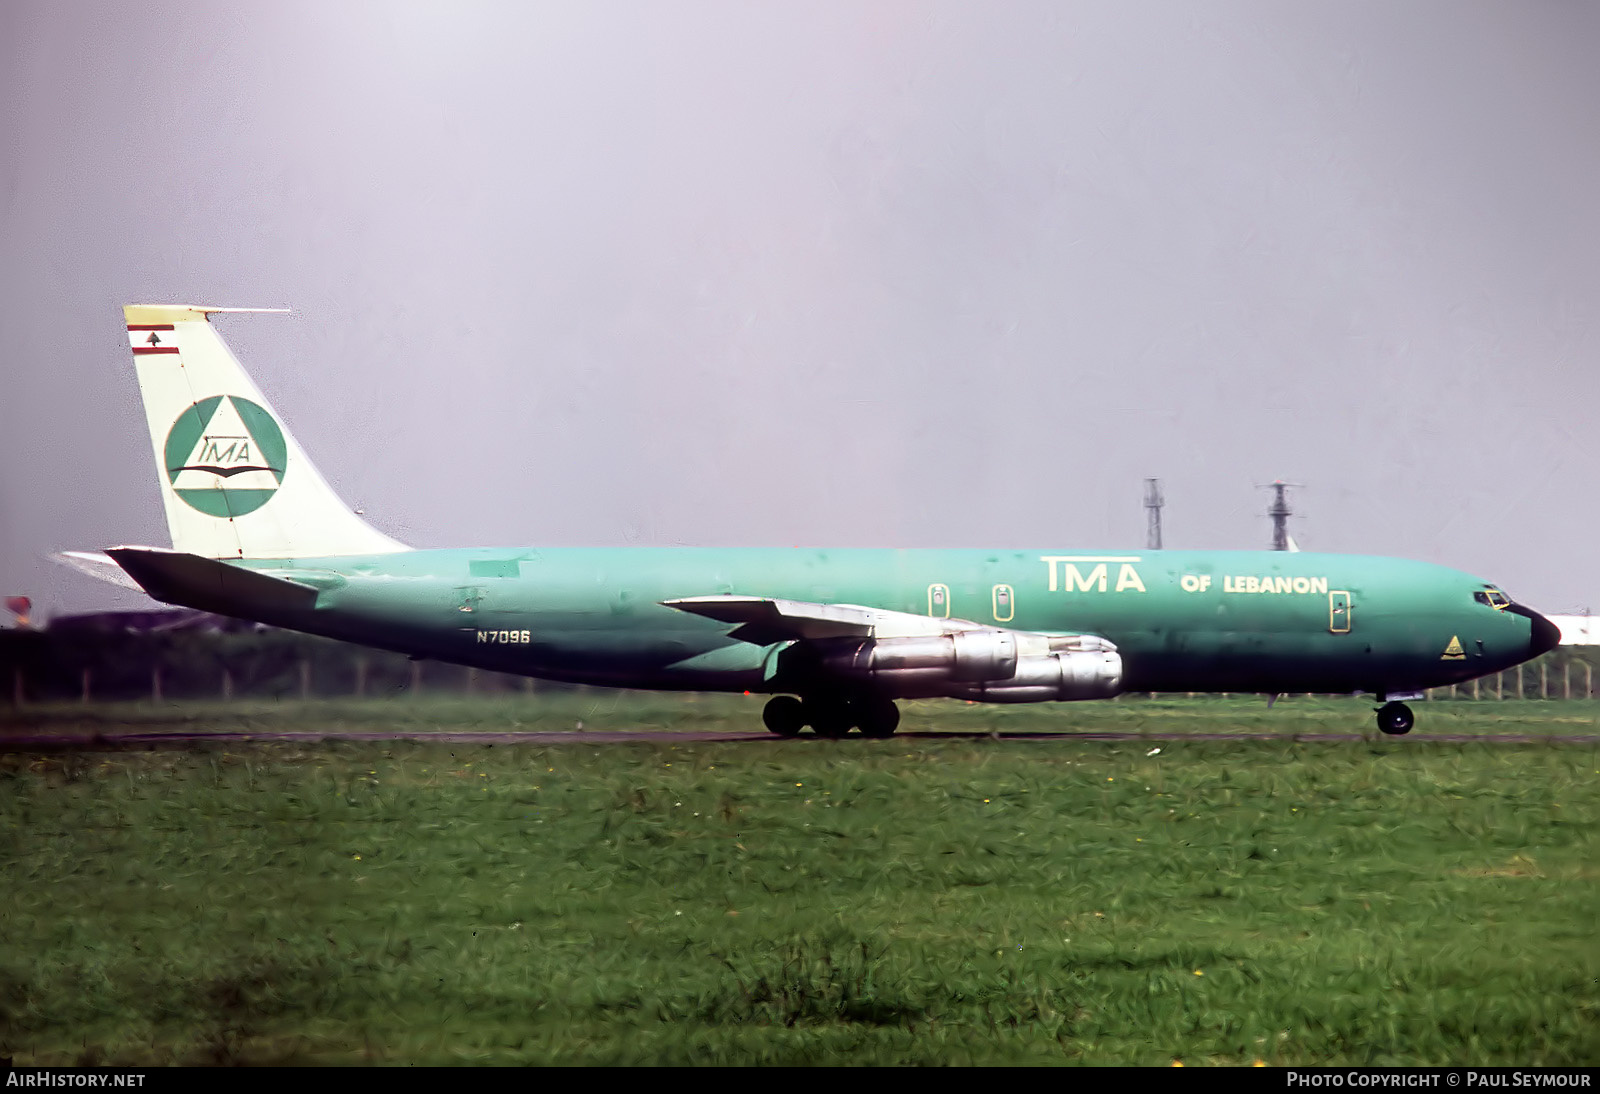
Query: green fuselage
1183 620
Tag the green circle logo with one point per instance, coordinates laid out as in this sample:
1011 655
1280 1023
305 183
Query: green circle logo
225 456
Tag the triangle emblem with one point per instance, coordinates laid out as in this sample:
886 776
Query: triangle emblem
226 455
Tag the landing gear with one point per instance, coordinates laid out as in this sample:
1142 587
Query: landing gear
831 716
784 715
878 717
1395 719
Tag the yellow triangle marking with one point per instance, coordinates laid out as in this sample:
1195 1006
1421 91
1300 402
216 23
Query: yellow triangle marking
1453 651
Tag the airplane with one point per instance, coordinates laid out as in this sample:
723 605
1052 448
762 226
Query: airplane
834 637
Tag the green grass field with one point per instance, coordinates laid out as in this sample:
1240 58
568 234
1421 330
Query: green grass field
958 901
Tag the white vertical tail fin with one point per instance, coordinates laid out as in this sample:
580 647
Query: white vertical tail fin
234 482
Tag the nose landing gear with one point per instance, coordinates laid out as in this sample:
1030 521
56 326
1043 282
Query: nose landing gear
1395 719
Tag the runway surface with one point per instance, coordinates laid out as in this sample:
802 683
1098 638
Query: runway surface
182 739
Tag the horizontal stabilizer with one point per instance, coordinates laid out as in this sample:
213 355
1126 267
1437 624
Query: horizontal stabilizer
175 577
99 565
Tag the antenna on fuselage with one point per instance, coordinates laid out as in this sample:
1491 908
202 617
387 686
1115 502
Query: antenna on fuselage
1280 513
1152 503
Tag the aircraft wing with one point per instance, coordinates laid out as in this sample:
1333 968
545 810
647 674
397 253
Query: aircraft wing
910 656
766 620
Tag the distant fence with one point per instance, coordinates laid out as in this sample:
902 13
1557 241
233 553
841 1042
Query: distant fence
1552 676
49 666
1562 674
43 666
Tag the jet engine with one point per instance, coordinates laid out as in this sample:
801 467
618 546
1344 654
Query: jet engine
997 666
1068 674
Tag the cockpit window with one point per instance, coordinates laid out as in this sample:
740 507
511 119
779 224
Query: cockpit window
1493 597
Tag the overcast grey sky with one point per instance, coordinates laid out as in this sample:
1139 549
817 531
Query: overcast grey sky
875 274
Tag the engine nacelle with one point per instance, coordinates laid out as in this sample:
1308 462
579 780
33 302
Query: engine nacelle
991 665
1069 674
927 665
965 655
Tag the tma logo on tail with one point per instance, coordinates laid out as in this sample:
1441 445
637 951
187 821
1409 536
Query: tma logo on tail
225 456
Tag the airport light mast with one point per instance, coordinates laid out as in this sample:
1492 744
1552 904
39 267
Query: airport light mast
1152 503
1280 513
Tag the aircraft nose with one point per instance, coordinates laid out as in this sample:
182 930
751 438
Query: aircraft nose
1545 636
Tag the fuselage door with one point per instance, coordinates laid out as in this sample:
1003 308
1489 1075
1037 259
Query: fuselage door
939 601
1339 612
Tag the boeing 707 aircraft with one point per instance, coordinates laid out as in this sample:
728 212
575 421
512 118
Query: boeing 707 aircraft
834 636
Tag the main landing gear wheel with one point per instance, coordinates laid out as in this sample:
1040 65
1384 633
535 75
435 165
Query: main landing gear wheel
877 717
1395 719
832 716
829 717
784 715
